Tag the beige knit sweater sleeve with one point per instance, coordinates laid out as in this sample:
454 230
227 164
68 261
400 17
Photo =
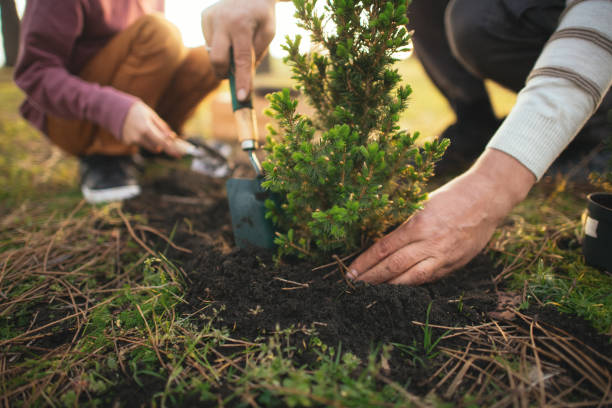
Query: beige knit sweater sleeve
565 87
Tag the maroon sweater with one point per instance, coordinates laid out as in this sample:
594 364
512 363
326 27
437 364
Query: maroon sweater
58 38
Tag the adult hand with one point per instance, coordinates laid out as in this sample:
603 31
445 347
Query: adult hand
248 27
455 225
143 127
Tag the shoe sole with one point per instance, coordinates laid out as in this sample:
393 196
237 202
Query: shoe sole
110 194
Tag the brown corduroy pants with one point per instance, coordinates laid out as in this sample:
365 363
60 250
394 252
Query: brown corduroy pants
147 60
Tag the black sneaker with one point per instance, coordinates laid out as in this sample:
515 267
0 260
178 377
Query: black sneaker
108 178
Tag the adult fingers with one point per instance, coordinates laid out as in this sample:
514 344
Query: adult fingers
384 247
219 53
395 264
425 271
242 43
263 37
208 24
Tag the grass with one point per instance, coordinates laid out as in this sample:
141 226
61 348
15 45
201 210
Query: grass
540 251
508 359
82 277
30 169
425 352
337 379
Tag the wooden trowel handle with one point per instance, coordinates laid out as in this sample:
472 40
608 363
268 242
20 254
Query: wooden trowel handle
244 113
247 128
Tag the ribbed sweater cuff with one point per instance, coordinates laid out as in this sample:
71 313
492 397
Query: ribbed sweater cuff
535 150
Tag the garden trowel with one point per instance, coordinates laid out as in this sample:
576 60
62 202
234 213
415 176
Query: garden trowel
246 196
204 159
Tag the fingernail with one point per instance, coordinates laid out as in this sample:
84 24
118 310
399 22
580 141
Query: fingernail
352 274
242 94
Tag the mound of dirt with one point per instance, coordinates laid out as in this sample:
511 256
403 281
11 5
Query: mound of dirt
255 296
259 296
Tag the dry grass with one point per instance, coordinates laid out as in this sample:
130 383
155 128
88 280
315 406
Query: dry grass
522 362
539 249
91 306
52 283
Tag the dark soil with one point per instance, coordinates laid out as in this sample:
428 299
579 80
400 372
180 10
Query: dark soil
259 295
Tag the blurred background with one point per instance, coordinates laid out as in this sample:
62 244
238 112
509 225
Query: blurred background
428 112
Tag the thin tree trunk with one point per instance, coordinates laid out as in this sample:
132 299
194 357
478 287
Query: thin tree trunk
10 30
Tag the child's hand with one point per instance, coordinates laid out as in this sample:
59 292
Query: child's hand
143 127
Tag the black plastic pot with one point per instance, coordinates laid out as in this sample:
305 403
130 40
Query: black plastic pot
597 225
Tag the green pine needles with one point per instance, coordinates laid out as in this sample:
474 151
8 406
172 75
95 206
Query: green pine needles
350 173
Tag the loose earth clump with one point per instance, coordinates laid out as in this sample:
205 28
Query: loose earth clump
256 297
259 297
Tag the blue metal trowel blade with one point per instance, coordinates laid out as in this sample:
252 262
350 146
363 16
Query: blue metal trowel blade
247 207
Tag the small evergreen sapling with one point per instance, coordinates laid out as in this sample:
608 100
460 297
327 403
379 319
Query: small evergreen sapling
350 173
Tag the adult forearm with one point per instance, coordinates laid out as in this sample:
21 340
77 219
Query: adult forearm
506 178
568 82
